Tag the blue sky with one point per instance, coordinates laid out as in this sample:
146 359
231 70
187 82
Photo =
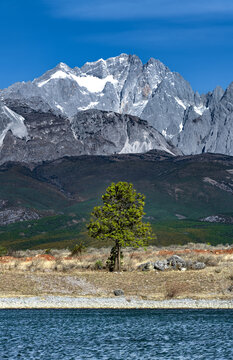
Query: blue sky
192 38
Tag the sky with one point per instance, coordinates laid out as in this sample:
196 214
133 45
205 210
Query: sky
192 38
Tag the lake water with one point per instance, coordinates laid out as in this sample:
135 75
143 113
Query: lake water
116 334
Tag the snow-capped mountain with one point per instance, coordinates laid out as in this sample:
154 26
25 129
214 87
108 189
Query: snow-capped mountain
124 85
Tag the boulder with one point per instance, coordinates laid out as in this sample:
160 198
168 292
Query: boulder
198 266
161 265
118 292
176 262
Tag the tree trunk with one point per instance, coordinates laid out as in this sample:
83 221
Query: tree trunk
117 265
119 258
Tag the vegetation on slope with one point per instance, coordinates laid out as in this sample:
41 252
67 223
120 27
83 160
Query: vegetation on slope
179 192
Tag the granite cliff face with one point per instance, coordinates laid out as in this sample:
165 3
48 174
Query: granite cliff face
211 131
35 136
192 122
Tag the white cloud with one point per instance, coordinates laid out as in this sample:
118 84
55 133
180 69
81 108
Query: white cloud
136 9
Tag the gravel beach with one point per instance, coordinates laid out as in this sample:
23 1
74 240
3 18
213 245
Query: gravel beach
65 302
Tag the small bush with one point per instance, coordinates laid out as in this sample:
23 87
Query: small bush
48 252
98 265
175 289
3 251
78 249
208 260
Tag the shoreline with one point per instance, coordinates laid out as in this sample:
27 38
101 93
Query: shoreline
66 302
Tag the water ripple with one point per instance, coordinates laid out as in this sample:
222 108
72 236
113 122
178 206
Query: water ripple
116 334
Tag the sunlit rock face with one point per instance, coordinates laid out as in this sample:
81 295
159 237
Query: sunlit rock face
194 123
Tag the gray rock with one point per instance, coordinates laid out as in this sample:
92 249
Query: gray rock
161 265
198 266
118 292
12 215
219 218
176 262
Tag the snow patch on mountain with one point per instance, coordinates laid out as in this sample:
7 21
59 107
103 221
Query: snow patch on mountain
200 109
91 83
15 123
136 147
180 102
60 107
166 135
92 105
57 75
95 84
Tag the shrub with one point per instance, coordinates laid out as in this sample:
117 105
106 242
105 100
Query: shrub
98 265
208 260
78 249
48 252
3 251
175 289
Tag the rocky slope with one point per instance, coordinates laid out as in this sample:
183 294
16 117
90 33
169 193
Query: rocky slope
30 135
151 91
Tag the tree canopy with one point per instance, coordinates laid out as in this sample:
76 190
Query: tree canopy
120 219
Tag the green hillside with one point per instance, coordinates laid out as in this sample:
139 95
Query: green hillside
179 192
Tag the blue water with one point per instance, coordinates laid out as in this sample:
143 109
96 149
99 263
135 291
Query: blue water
116 334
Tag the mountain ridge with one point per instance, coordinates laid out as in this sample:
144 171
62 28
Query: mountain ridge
194 123
45 136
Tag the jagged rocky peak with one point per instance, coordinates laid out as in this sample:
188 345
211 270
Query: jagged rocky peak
122 84
227 97
101 68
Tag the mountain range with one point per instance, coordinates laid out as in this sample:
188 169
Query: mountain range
118 105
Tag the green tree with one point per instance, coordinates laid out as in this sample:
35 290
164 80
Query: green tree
120 219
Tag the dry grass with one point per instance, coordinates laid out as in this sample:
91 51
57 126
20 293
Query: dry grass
37 273
203 284
62 261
